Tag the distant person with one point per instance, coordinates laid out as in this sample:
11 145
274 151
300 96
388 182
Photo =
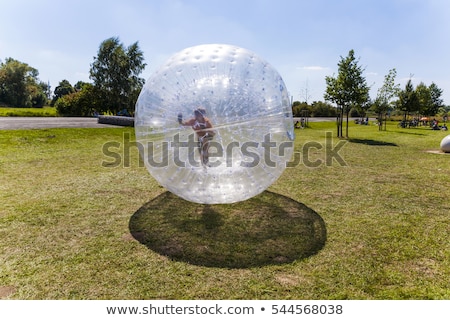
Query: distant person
435 125
203 127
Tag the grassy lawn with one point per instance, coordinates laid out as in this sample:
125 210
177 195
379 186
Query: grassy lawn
368 222
27 112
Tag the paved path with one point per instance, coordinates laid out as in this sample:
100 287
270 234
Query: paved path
49 122
7 123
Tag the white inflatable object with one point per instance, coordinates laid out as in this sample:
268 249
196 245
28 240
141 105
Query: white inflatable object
239 140
445 144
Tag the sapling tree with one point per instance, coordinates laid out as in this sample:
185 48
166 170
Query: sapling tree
347 90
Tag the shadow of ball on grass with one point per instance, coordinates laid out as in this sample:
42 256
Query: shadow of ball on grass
264 230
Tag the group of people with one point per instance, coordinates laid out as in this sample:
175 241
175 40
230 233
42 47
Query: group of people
435 125
300 124
362 121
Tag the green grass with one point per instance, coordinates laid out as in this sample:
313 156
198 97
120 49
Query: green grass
376 228
27 112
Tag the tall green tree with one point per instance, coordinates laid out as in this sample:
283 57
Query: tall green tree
385 95
408 100
436 99
115 73
429 99
348 89
64 88
423 94
19 85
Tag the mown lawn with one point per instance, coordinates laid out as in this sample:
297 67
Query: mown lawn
369 221
27 112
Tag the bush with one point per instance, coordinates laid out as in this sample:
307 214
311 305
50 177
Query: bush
39 100
74 104
322 109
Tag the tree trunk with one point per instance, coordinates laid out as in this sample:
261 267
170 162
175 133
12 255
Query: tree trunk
338 124
380 121
340 121
346 127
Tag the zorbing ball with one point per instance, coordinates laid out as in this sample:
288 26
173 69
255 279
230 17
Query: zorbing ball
445 144
214 124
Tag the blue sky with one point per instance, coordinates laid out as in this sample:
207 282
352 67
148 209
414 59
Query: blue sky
303 40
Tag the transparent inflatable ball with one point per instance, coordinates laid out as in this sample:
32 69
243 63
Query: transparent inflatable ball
214 124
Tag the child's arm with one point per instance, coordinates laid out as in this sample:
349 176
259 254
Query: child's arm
189 122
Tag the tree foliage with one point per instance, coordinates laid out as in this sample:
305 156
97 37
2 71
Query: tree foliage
115 73
78 103
385 95
436 101
316 109
423 100
20 86
408 100
348 89
64 88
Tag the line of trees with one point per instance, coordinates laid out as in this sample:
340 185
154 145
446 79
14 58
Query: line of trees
115 83
349 91
20 85
315 109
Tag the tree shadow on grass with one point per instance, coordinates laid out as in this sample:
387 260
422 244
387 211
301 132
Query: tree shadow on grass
413 133
371 142
264 230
